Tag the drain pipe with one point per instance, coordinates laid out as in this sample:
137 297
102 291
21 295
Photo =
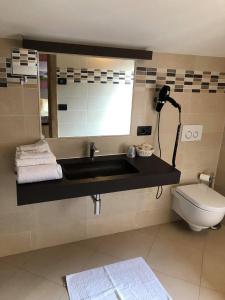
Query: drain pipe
97 204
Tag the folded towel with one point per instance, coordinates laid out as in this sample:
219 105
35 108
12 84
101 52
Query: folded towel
40 146
35 161
33 154
39 173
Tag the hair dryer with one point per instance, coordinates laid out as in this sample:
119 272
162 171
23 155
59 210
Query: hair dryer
163 97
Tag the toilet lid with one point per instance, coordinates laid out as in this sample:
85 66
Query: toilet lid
202 196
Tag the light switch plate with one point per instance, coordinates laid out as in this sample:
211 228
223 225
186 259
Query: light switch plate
191 133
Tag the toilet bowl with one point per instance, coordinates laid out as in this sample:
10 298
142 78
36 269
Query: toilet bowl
199 205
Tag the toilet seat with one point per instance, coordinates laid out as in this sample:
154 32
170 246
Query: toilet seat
202 196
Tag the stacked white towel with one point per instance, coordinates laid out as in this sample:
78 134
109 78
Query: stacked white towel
40 146
36 162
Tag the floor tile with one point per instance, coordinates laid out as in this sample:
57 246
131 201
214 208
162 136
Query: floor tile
65 296
26 286
18 259
213 271
182 259
56 262
216 240
207 294
151 231
180 233
176 260
178 289
123 245
98 260
6 272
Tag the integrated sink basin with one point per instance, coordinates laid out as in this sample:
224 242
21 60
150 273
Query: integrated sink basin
106 174
87 168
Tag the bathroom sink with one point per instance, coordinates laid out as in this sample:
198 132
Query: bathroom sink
106 174
96 168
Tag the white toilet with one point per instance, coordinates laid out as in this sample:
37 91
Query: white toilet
199 205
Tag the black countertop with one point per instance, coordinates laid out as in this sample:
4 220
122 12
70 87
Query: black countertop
153 171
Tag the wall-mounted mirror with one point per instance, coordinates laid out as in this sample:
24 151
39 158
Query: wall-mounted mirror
85 95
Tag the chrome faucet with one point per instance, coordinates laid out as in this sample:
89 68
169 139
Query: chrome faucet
93 150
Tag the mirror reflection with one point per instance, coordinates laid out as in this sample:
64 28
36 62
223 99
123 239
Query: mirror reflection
85 96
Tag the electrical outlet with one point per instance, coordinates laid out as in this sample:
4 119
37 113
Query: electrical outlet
191 133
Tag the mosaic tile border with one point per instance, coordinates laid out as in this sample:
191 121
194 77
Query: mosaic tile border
181 80
16 79
7 78
83 75
4 69
24 61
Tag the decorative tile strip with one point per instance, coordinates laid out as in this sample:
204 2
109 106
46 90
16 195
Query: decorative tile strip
3 72
16 79
181 80
24 62
6 76
83 75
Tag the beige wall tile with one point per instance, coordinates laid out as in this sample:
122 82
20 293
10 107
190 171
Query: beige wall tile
221 103
220 175
184 99
98 226
7 44
154 217
58 222
7 158
165 60
201 160
15 243
32 127
16 222
209 142
11 101
147 199
12 128
31 105
205 103
72 219
211 122
207 63
57 233
115 203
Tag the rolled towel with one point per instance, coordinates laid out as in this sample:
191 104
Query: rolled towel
40 146
33 154
39 173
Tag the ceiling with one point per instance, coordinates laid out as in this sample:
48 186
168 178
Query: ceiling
173 26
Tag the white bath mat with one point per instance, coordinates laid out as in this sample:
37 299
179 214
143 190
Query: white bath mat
127 280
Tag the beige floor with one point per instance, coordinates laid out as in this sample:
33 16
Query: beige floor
190 265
